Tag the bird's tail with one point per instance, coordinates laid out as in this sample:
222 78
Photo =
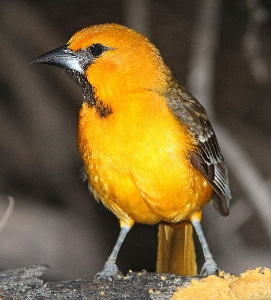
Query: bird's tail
176 250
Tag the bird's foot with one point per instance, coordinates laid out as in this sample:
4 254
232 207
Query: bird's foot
209 268
109 272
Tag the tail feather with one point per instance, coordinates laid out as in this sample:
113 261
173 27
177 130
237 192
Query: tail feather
176 250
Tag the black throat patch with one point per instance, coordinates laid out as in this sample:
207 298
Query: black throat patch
102 109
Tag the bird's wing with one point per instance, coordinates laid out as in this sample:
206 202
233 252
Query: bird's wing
208 159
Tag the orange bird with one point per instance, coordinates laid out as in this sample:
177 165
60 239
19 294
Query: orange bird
149 150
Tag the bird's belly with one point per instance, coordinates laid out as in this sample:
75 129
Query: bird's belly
141 172
117 191
174 192
149 196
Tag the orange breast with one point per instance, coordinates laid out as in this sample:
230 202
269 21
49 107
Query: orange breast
137 161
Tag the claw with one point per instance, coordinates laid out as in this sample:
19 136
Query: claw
209 268
109 272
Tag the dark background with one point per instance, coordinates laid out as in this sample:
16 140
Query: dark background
55 220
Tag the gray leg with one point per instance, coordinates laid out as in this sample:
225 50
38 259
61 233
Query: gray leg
210 266
110 268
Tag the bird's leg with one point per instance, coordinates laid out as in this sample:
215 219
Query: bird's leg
110 268
210 266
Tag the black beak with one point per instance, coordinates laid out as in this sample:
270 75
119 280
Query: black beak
62 57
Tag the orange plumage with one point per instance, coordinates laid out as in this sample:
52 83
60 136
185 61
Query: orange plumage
141 135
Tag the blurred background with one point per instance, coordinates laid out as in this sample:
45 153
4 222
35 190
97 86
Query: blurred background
220 50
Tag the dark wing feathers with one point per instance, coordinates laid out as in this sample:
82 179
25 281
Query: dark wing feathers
208 159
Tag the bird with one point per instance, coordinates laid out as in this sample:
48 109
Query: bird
149 151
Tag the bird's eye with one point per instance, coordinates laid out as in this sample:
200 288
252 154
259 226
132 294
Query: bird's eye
96 49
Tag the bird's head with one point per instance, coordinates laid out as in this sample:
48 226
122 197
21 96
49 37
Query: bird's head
112 58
